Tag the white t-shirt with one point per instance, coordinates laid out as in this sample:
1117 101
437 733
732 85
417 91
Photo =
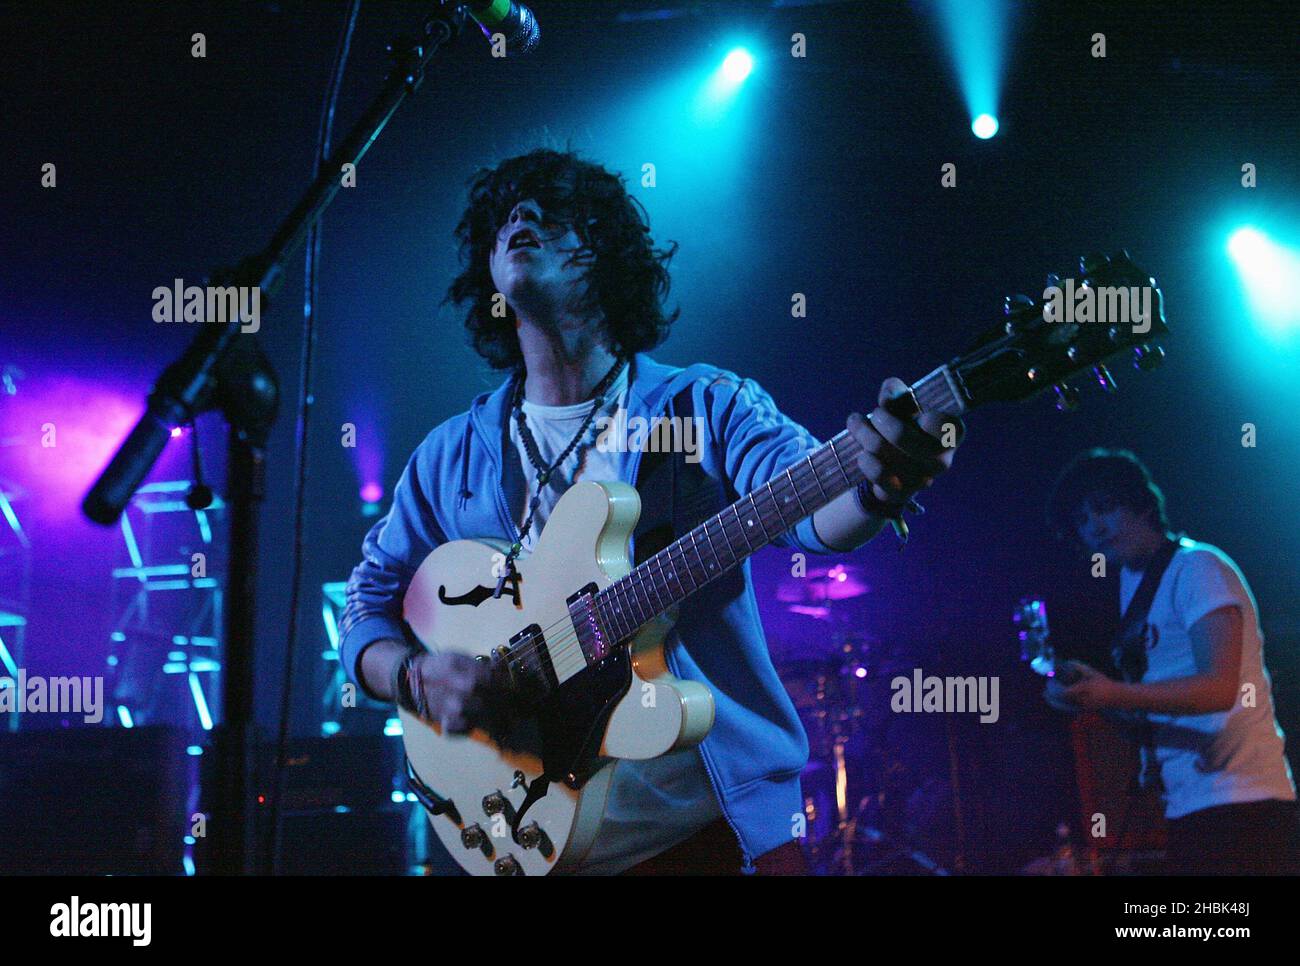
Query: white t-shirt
654 804
1228 756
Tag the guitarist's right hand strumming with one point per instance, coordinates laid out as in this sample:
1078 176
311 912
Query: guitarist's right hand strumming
452 690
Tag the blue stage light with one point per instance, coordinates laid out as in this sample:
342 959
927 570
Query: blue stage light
738 65
1270 273
984 126
977 35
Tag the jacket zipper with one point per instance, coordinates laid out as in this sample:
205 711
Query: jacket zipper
748 861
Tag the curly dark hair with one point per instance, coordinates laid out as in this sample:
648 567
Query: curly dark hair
628 276
1114 477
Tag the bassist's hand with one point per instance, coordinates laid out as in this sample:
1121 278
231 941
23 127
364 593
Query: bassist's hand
1052 694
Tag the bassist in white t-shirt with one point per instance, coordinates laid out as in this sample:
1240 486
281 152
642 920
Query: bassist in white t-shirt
1195 682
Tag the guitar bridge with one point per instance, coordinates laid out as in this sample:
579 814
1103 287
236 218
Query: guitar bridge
526 663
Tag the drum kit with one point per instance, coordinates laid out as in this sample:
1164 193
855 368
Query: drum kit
857 792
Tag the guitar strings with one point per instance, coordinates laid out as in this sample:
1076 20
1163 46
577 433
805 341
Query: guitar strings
562 645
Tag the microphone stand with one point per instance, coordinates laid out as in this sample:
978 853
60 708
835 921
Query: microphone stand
225 372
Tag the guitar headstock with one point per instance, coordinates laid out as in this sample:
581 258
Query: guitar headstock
1031 628
1110 306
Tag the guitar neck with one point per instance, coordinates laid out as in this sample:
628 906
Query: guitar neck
715 546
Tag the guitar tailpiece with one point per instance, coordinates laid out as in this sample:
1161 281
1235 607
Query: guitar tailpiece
537 789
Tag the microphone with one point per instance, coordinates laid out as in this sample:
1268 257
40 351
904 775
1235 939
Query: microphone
514 20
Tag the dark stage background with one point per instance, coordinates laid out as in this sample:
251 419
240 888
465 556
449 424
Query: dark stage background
822 178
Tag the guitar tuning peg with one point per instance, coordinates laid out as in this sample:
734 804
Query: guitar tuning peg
1090 263
1012 303
1148 357
1104 378
1067 398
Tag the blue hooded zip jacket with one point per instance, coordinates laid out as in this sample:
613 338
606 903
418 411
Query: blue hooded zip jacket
452 489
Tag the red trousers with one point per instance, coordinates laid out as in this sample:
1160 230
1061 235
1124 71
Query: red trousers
713 850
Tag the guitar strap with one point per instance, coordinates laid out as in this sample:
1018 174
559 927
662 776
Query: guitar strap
676 494
1130 649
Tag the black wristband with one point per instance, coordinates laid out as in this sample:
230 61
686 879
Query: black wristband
870 505
404 695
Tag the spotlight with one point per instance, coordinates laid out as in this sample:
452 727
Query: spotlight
721 86
738 65
1248 244
372 493
1269 271
978 37
984 126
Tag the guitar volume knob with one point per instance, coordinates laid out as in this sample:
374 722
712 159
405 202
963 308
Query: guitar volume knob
530 836
507 865
473 837
497 804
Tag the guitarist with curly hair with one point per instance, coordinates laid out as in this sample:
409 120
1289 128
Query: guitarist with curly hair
563 288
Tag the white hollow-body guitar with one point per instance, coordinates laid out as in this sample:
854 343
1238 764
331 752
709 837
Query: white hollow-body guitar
576 635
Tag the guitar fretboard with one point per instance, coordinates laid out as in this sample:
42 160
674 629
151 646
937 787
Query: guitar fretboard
755 520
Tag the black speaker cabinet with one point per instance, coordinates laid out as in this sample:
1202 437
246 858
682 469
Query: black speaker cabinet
94 801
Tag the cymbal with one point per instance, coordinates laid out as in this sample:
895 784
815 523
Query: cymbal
822 585
861 656
810 610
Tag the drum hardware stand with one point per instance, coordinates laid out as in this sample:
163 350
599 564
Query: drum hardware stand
850 830
847 825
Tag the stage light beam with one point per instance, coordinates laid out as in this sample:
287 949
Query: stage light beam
984 126
738 65
977 35
1270 274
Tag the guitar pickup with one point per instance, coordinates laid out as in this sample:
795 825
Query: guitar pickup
595 644
529 662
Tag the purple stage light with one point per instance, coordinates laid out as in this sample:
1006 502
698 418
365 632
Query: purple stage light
367 452
59 432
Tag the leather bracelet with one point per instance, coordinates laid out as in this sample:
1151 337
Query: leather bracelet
893 512
872 506
404 695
